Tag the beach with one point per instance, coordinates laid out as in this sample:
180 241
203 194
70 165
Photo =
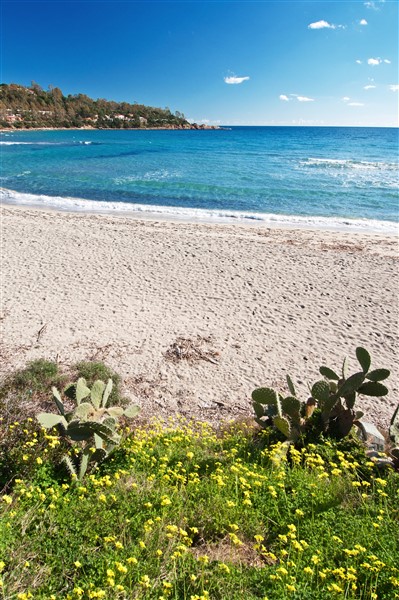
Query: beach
194 316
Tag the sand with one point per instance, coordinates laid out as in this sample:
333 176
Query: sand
195 316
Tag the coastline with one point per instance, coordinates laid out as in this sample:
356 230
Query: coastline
195 215
263 301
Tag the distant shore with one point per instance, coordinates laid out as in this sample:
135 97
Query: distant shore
259 302
193 127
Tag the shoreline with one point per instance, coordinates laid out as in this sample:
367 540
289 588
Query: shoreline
263 301
196 215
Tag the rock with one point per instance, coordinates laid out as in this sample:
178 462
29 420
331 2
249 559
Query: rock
372 437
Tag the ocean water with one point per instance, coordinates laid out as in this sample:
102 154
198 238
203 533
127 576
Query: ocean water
326 177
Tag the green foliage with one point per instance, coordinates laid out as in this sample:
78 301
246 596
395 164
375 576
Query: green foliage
181 512
35 107
333 396
94 371
91 423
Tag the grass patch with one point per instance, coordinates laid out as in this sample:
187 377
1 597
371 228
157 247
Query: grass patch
182 512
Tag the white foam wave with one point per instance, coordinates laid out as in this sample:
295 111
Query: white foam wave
348 164
7 143
196 214
158 175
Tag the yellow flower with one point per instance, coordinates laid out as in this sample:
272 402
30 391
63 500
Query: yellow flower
40 462
7 499
77 564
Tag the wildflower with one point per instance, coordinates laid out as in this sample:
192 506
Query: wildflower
224 567
145 582
132 560
77 564
308 571
7 499
290 588
40 462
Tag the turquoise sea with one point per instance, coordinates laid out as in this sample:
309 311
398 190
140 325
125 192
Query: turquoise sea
327 177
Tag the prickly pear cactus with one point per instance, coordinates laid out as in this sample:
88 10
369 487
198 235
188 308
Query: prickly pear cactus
91 423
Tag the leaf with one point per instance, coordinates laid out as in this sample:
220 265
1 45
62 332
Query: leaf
282 425
96 393
351 385
350 400
265 396
131 411
291 386
373 388
115 411
364 358
329 373
58 401
98 442
84 463
49 420
258 408
378 375
107 393
82 391
291 406
82 410
345 366
70 466
321 390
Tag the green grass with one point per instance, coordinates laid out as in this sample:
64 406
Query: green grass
180 511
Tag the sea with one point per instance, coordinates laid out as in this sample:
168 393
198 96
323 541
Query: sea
324 177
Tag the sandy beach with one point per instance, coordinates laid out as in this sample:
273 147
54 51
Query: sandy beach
195 316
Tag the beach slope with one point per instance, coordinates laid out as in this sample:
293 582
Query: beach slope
195 316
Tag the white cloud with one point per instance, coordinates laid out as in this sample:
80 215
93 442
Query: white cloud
233 79
394 88
374 5
363 22
374 61
321 25
346 99
359 62
369 87
284 97
386 61
304 99
355 104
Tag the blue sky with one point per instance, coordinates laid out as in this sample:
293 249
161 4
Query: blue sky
249 63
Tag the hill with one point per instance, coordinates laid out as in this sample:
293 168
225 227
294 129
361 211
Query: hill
32 107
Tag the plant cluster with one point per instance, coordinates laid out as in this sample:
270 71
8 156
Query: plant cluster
91 422
329 411
34 107
183 512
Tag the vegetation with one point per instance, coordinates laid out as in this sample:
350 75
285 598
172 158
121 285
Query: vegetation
90 427
181 511
330 409
27 107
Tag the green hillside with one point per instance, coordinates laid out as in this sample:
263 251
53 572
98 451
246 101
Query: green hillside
29 107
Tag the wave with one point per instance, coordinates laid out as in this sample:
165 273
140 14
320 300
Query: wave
338 163
197 214
80 142
148 176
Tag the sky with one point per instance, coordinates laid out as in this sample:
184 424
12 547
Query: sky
218 62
